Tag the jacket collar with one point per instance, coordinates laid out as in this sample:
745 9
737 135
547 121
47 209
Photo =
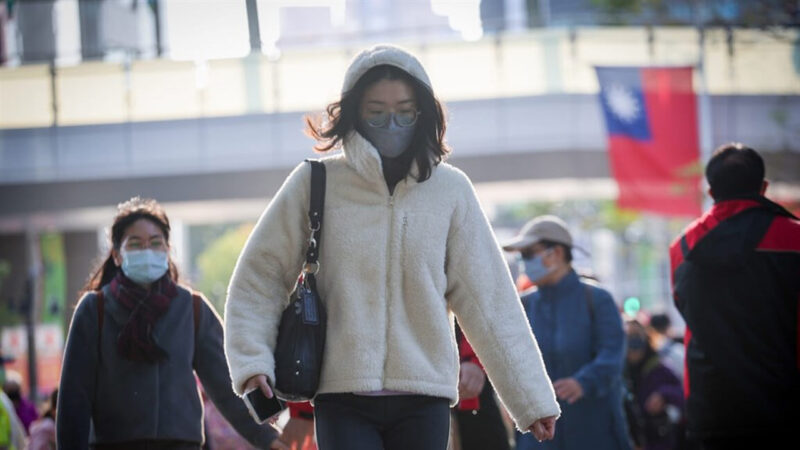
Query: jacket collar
114 308
725 209
731 206
364 158
563 287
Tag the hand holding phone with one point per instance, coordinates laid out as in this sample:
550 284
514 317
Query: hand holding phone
262 408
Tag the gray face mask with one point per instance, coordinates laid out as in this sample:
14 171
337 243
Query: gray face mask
391 140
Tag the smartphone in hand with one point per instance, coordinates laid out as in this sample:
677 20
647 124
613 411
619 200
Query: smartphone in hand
261 407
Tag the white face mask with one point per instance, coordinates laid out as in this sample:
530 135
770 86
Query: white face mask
144 266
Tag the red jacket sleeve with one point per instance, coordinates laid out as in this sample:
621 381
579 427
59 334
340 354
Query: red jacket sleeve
467 354
302 410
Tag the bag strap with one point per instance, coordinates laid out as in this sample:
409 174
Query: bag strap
196 302
101 306
684 246
589 296
315 209
589 301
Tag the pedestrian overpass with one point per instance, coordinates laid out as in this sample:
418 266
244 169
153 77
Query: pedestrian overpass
49 172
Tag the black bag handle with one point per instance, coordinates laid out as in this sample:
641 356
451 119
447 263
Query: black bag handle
299 349
315 209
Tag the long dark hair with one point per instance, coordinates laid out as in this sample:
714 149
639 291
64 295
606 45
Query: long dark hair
128 213
342 117
51 406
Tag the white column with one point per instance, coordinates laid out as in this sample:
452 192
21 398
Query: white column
179 241
705 125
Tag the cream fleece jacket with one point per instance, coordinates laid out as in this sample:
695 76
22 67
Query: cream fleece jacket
394 271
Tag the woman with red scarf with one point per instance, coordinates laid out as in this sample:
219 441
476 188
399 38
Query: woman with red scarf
136 340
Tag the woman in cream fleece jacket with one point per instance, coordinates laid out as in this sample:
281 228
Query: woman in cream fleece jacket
406 247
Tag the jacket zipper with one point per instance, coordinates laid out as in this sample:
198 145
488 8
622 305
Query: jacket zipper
403 243
387 289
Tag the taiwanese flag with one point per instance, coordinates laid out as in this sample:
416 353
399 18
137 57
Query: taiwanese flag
651 118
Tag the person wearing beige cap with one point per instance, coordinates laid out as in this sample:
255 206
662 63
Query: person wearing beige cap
580 334
406 249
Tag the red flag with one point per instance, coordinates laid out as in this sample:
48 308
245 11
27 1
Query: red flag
651 118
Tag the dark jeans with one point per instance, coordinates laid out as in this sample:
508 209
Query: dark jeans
395 422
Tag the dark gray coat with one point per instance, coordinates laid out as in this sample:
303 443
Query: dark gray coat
116 400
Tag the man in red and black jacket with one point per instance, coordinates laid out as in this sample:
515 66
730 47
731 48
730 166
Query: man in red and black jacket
736 281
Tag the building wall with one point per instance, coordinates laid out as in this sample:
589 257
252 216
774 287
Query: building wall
82 253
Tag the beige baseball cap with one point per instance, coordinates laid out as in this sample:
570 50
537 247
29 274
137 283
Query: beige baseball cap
542 228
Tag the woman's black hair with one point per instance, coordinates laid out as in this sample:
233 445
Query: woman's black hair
735 170
51 405
342 117
128 213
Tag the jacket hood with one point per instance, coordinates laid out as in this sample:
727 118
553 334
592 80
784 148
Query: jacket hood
384 54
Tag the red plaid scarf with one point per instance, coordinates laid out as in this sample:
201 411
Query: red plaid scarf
135 341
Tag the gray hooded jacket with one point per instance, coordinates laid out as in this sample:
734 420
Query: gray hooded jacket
115 400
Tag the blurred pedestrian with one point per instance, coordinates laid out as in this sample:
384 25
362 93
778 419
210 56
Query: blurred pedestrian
736 283
12 433
670 351
3 361
479 421
405 244
134 343
579 330
25 409
43 431
656 392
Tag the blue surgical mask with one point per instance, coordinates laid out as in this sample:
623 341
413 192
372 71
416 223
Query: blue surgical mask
391 140
534 268
144 266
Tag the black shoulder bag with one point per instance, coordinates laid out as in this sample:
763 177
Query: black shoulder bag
301 334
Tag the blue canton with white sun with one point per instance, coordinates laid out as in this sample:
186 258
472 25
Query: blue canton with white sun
623 103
